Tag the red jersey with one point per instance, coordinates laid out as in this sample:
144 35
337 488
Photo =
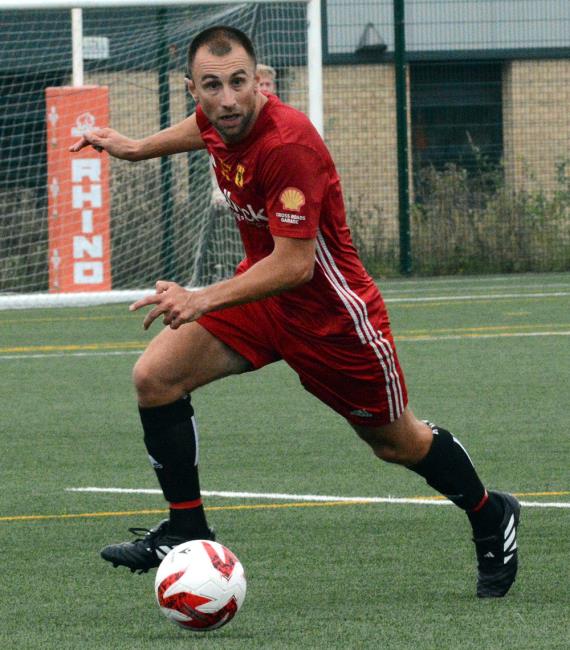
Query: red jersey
281 180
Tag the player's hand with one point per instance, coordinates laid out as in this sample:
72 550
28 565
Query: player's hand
109 140
176 304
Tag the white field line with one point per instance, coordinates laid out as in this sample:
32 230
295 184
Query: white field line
59 355
428 501
488 296
402 289
419 338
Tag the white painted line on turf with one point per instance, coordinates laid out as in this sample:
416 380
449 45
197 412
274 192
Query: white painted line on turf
489 296
429 501
61 355
460 337
430 286
543 280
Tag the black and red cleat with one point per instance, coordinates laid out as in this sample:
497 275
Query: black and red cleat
148 550
497 555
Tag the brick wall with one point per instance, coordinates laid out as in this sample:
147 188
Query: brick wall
360 130
536 120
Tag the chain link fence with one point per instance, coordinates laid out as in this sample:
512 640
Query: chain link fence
488 89
488 133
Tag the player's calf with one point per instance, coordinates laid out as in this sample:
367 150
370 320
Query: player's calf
494 516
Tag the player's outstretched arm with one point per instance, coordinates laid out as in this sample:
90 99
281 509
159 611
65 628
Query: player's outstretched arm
290 264
184 136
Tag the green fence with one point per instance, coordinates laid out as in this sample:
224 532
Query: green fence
485 156
448 121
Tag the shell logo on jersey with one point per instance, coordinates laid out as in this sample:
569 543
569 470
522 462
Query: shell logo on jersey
240 173
292 199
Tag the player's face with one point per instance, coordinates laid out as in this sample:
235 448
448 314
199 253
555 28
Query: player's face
226 88
266 84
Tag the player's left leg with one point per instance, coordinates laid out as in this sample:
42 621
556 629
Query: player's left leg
437 455
175 363
365 384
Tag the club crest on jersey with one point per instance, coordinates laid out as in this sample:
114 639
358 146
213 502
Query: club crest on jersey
292 199
226 170
240 173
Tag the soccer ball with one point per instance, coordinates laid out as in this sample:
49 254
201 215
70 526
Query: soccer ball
200 585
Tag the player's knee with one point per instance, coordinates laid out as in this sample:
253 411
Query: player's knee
151 386
385 449
400 445
390 453
143 378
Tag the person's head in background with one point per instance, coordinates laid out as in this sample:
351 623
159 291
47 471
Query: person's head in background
267 78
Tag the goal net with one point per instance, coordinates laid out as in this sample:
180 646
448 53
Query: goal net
164 220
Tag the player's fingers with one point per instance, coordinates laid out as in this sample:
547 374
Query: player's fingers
183 317
152 316
176 320
97 132
89 139
95 140
143 302
80 144
163 285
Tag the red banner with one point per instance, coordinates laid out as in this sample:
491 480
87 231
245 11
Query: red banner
78 191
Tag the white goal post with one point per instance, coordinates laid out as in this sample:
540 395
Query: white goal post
162 216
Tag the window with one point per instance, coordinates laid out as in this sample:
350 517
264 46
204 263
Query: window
456 113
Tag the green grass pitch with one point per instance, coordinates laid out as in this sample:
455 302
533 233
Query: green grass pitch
486 357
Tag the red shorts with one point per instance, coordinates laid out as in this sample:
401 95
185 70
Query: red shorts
361 381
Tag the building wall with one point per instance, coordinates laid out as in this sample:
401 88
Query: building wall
133 96
536 118
360 127
360 131
135 112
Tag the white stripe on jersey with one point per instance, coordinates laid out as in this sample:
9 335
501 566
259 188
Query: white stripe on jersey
356 307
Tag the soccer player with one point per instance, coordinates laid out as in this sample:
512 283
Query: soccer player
267 83
301 295
267 78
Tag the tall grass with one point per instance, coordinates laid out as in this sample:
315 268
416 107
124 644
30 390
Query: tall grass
471 221
462 221
23 240
474 222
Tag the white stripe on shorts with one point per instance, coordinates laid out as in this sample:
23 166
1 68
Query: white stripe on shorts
356 307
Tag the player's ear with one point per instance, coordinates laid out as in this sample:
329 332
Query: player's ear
192 88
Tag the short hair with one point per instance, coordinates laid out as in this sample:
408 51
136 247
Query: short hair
263 68
219 39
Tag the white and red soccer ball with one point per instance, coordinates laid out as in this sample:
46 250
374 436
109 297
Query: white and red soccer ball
200 585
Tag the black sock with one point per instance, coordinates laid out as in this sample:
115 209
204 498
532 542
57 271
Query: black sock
485 519
171 439
448 469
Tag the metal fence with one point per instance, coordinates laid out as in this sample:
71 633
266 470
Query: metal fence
448 121
481 180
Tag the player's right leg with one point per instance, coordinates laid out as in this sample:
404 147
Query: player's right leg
175 363
438 456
